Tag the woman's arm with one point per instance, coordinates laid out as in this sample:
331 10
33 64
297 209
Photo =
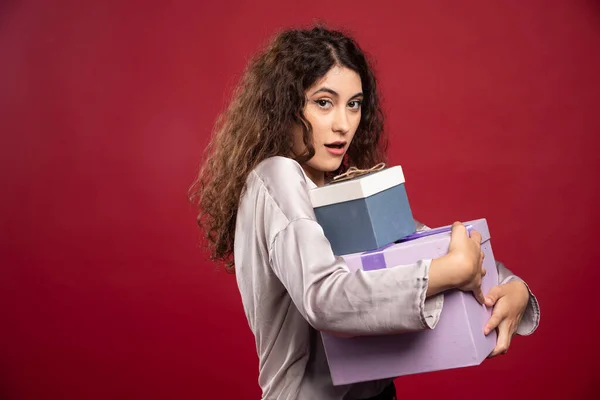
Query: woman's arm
333 299
389 300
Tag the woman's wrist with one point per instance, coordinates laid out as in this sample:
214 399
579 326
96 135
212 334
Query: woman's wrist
443 274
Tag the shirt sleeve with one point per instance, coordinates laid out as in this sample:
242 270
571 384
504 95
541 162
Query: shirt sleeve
333 299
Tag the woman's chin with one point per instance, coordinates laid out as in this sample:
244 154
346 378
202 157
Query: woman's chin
325 164
331 166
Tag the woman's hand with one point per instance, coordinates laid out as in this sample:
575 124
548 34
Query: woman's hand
468 257
509 302
462 267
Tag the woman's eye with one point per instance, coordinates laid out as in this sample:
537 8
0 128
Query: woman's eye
323 103
355 104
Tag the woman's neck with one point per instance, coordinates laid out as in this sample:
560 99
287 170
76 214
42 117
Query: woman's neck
318 177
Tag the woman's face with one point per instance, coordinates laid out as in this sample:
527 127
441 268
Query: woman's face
333 108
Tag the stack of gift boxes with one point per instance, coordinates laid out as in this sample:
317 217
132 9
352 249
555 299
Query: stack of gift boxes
368 221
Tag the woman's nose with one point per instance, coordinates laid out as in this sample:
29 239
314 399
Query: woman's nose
341 122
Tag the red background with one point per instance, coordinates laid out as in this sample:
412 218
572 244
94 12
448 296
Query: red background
493 111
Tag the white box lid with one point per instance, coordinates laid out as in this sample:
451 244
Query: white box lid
358 188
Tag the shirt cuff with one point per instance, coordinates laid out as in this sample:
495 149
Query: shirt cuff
432 309
432 306
531 316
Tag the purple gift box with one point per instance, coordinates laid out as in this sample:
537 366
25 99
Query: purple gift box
456 341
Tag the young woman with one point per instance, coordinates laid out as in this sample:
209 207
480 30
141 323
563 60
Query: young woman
307 108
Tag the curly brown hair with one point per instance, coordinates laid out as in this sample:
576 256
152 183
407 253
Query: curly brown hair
267 103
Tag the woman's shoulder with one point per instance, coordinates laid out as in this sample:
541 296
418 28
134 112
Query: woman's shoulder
285 183
276 165
279 172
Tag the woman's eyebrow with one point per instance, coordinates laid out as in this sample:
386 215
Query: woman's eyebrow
334 93
326 90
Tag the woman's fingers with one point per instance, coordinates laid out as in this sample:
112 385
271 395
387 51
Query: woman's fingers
504 337
479 295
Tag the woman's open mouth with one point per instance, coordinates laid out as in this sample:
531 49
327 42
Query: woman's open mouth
336 148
